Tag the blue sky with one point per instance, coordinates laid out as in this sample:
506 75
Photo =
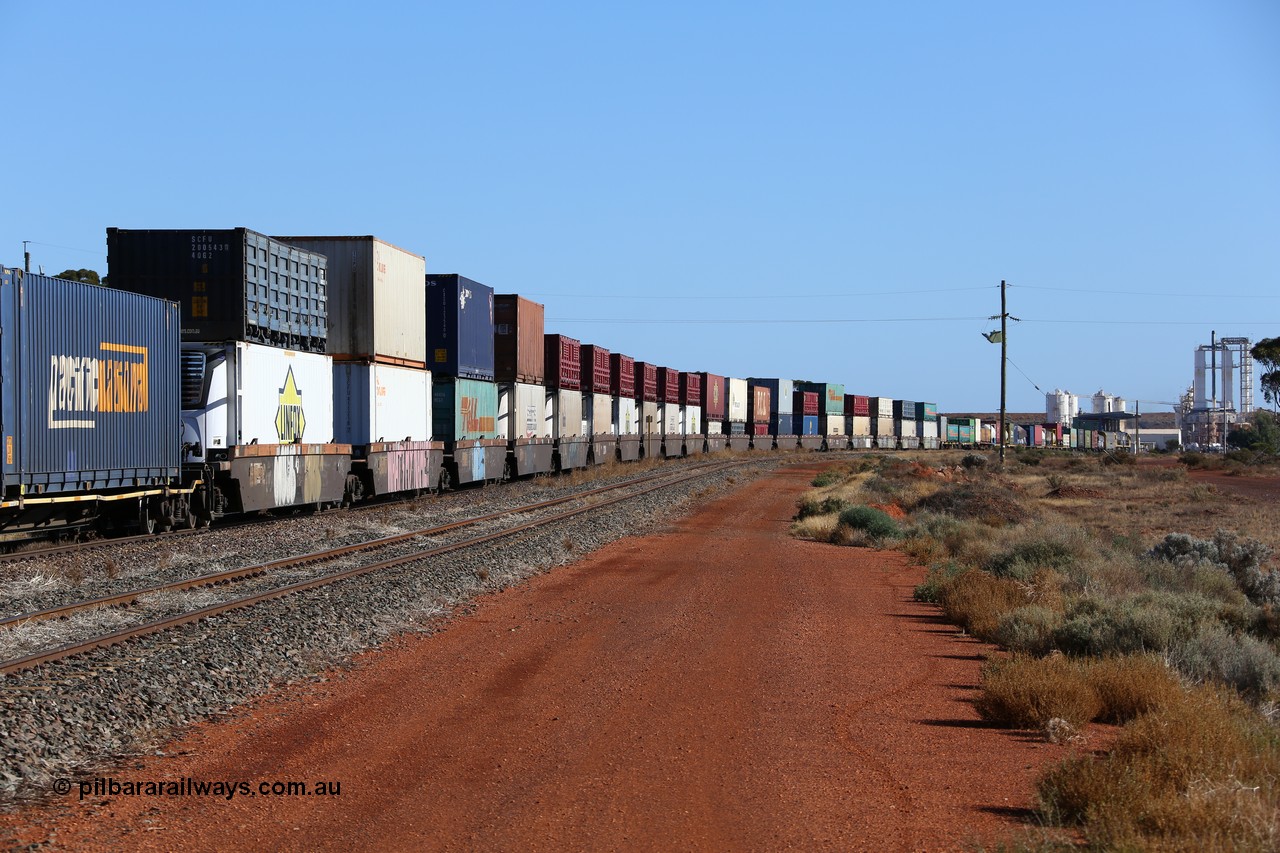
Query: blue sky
829 191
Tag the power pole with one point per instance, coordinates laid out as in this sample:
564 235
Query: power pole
1004 358
26 257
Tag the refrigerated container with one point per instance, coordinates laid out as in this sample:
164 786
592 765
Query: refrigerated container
384 412
519 353
597 414
759 403
691 426
668 385
376 294
622 375
89 394
737 392
930 438
564 362
881 407
596 374
233 284
459 318
904 410
645 381
781 394
882 430
464 415
650 428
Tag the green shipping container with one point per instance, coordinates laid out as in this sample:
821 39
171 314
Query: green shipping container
463 409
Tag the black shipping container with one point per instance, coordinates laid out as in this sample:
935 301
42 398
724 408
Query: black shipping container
233 284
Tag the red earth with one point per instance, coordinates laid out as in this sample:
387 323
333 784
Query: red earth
718 685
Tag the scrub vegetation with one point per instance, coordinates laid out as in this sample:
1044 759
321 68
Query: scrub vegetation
1118 594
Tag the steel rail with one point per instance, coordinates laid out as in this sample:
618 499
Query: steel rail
105 640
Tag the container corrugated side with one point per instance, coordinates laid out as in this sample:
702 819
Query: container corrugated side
759 401
926 411
597 411
668 385
830 395
831 424
463 409
881 407
622 375
905 427
564 362
858 424
380 402
596 360
904 410
233 284
857 405
804 403
459 317
691 389
646 381
375 298
518 351
88 384
522 411
882 426
714 398
781 394
737 396
564 412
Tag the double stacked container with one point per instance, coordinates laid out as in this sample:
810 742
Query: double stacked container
564 401
857 419
626 413
691 406
804 419
715 409
669 413
646 393
830 411
86 405
736 393
255 327
597 404
381 385
927 421
904 424
781 410
759 401
519 367
460 354
882 431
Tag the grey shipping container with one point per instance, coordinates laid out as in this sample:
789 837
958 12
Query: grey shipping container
89 390
518 327
459 327
375 293
233 284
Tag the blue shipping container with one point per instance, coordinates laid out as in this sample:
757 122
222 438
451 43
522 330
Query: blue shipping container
807 425
459 327
89 385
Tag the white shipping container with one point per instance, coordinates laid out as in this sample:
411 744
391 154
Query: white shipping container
737 393
522 411
831 424
906 428
597 413
261 394
650 419
626 417
886 408
380 402
563 412
691 421
882 426
671 418
858 425
929 429
714 427
377 293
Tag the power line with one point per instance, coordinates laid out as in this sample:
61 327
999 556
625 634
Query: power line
769 321
1160 322
97 252
1149 292
736 296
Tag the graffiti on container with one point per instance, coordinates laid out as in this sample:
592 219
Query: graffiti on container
472 420
90 385
405 470
291 421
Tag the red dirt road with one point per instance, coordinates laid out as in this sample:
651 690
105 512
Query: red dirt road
717 686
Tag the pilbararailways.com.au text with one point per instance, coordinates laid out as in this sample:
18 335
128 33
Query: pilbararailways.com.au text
109 786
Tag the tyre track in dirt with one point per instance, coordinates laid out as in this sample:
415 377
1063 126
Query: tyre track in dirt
715 686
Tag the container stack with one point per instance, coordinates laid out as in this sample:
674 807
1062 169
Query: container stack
857 411
519 368
830 410
377 339
759 406
804 419
737 406
254 328
597 404
626 414
882 431
564 400
691 408
904 424
781 409
714 410
646 393
927 422
460 353
669 412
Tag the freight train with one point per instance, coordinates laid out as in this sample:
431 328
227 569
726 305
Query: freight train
227 372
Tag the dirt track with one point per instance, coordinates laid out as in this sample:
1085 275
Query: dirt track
719 686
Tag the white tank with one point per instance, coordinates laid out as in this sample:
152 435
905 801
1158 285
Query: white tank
1118 404
1060 407
1103 402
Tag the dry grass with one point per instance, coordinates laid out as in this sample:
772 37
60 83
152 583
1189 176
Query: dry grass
816 527
1027 693
1132 685
977 601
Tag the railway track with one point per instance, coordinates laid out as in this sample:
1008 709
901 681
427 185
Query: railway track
594 499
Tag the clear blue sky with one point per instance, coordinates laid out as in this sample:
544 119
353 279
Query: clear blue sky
654 172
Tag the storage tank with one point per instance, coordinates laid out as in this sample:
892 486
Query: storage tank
1103 402
518 329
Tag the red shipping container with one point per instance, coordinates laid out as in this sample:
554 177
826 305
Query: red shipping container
646 382
761 397
691 389
856 406
622 375
760 429
806 403
597 358
518 354
668 385
714 397
564 362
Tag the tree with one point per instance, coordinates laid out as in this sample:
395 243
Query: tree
87 276
1263 436
1267 352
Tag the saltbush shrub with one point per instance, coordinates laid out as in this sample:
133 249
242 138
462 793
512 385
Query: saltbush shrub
827 478
875 523
1028 630
1246 663
1027 692
1243 559
992 505
827 506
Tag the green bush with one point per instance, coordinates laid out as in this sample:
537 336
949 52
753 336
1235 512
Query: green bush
875 523
1028 630
827 478
1243 559
826 506
989 504
931 589
1246 663
1021 561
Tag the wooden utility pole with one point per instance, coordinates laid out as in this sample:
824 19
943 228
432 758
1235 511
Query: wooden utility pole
1004 358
